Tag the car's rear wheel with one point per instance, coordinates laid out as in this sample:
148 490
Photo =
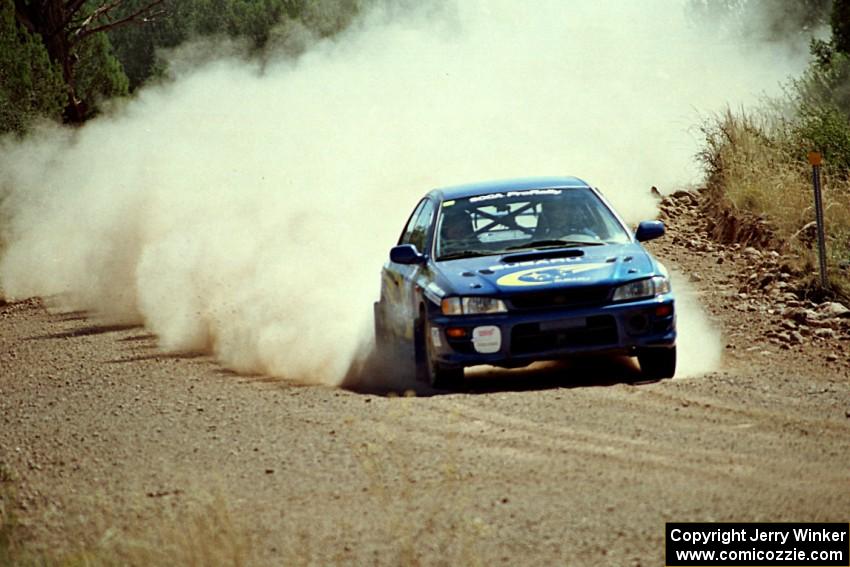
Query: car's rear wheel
657 363
427 369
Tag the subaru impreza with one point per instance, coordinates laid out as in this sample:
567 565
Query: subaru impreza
511 272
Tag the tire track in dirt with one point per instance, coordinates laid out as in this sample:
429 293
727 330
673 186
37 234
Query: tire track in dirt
507 436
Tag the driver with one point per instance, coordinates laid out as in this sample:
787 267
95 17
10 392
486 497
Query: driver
561 218
456 230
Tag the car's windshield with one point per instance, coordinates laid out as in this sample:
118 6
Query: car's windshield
529 219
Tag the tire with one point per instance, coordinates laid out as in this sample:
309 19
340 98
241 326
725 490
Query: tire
657 363
427 370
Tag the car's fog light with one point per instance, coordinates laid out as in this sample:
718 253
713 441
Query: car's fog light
487 339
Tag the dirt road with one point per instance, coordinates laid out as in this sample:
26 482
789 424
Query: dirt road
104 439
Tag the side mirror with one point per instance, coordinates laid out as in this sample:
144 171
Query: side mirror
406 254
649 230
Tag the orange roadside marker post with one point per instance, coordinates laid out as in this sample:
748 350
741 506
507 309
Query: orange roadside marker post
815 158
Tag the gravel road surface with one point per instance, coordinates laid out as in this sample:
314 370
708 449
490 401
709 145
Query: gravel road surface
102 435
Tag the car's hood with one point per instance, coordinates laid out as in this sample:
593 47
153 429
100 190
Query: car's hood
546 269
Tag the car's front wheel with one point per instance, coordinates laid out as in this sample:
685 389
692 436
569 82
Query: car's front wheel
657 363
427 369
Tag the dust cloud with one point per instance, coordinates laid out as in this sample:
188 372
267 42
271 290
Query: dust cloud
699 347
245 208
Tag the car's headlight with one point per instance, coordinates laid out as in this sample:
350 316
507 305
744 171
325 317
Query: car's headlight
472 306
640 289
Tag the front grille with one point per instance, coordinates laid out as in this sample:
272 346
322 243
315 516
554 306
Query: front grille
529 337
564 297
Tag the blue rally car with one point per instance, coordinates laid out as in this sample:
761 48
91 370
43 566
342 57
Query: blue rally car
510 272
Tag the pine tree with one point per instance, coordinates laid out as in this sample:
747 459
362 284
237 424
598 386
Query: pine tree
840 21
69 29
30 85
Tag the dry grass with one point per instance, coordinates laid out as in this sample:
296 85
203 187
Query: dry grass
202 530
200 536
193 539
8 521
393 484
752 166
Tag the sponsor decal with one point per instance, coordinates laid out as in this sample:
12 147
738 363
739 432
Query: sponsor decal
435 337
487 339
541 262
548 275
511 194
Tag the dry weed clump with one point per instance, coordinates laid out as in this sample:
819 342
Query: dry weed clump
204 534
755 166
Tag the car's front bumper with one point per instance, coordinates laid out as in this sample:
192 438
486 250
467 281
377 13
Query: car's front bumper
525 337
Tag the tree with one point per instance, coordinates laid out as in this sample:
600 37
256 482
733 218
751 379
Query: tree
65 26
840 21
99 75
260 23
30 85
771 20
136 46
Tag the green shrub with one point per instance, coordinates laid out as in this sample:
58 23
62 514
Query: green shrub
821 104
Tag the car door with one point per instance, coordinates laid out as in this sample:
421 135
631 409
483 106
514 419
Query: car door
401 282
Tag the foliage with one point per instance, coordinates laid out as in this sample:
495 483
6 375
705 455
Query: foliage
68 56
757 162
136 46
329 17
100 75
825 128
771 20
71 31
30 85
253 20
822 106
840 21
